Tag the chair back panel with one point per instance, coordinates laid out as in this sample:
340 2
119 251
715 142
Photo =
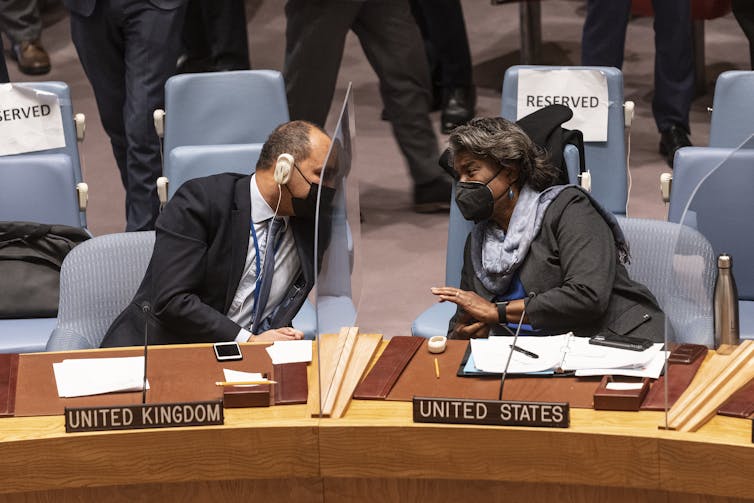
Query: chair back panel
605 160
39 188
223 107
677 264
191 162
97 281
732 109
715 185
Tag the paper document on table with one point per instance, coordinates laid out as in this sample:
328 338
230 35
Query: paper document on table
491 354
238 376
652 369
95 376
290 351
564 352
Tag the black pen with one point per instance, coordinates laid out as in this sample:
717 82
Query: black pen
523 351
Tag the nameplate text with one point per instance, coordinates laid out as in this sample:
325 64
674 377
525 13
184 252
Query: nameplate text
150 415
491 412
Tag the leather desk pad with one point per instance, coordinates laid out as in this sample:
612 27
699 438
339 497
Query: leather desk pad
418 379
679 376
8 373
741 403
175 374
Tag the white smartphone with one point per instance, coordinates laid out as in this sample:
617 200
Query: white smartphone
225 351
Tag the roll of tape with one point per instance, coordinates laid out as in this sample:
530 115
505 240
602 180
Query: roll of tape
437 344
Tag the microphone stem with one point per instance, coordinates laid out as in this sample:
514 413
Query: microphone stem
510 353
146 341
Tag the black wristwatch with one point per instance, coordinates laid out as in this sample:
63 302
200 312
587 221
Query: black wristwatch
502 307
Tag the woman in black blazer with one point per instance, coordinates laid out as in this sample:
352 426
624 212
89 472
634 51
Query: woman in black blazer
543 253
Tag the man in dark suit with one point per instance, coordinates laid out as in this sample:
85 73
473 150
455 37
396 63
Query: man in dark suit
203 283
128 49
602 44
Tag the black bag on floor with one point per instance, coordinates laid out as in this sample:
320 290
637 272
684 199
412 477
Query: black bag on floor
30 258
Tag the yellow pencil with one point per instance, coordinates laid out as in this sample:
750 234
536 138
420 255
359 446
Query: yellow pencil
243 383
437 368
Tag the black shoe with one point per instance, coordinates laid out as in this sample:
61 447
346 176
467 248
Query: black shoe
671 140
458 108
434 196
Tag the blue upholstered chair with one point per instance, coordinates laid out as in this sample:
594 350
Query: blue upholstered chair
97 281
712 193
678 266
222 108
36 188
74 127
732 109
606 161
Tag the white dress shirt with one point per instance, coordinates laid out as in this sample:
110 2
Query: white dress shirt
286 268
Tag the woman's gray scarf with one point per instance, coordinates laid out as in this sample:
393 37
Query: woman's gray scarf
496 256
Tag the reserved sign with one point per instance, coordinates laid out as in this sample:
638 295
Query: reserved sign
30 120
583 91
151 415
491 412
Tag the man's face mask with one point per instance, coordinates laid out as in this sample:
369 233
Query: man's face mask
306 208
475 199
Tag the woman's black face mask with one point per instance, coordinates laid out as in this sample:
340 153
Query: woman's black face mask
306 208
475 199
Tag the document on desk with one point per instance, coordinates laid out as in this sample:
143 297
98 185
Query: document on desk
238 376
565 352
96 376
290 352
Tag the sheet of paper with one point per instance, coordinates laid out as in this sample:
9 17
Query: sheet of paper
491 354
30 120
95 376
652 369
582 355
290 351
238 376
624 386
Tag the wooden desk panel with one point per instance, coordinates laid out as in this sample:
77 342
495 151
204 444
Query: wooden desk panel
376 453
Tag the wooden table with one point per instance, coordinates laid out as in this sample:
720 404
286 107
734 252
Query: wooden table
376 453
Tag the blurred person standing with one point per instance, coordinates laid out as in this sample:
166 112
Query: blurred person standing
20 20
315 39
128 49
214 37
603 42
3 69
447 46
744 12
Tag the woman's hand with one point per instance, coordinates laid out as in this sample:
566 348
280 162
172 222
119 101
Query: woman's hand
278 334
475 306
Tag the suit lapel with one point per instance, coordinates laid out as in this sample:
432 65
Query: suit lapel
240 228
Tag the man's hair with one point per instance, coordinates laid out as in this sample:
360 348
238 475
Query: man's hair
503 142
289 138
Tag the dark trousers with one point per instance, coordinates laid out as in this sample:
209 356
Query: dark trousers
744 12
215 33
603 43
447 46
128 49
20 19
3 69
315 36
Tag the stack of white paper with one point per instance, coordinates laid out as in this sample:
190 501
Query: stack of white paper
95 376
290 351
566 352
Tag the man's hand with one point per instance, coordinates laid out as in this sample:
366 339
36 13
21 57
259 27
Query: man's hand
476 306
279 334
474 330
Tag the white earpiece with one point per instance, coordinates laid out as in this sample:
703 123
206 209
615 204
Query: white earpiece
283 168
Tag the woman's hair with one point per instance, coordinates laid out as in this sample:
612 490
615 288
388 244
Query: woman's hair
504 143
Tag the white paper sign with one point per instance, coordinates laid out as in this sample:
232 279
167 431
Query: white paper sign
583 91
30 120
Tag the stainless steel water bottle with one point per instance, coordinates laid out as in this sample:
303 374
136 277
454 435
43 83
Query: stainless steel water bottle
726 304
